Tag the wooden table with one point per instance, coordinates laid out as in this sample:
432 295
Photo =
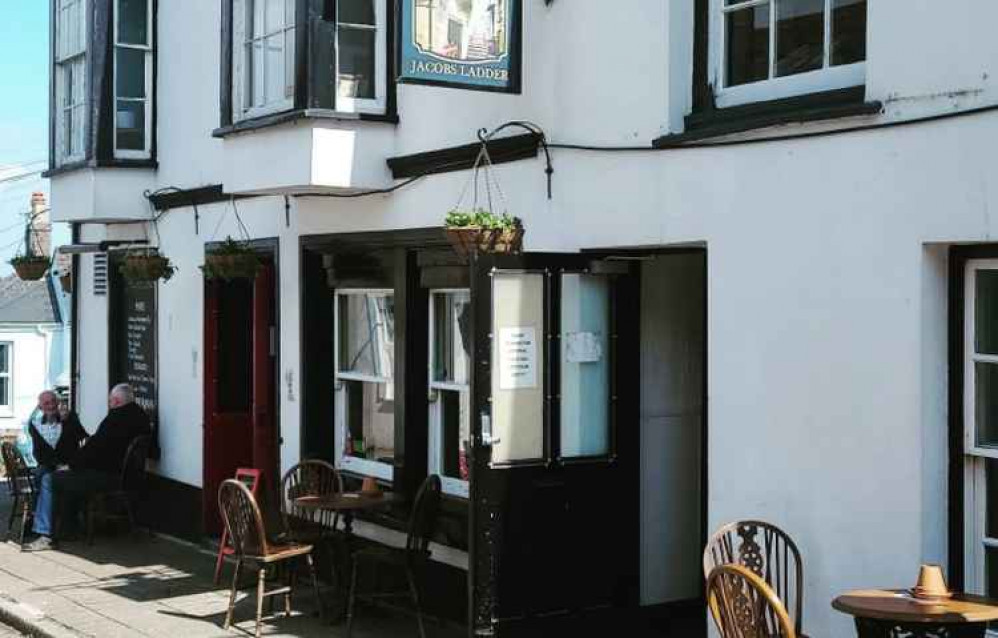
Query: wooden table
893 613
347 503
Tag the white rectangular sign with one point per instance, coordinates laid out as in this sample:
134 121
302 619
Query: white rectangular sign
517 358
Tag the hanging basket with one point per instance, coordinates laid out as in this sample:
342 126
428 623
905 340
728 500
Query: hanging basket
30 267
146 266
232 260
472 240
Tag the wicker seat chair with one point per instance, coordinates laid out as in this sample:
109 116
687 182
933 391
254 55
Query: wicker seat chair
247 534
120 503
422 521
769 553
744 606
21 484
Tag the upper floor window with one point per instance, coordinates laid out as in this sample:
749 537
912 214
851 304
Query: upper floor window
360 55
133 66
70 80
263 56
772 49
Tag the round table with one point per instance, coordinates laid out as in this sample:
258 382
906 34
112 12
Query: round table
894 613
347 503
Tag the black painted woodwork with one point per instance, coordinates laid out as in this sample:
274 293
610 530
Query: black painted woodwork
99 134
179 198
459 158
532 525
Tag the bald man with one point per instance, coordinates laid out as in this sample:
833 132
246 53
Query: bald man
55 439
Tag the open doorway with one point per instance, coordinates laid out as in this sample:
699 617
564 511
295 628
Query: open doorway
673 435
240 420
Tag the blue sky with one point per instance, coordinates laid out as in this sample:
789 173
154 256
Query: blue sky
24 86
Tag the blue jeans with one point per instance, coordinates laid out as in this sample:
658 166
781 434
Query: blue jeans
43 500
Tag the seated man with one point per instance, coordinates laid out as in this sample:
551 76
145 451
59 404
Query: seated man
55 438
97 465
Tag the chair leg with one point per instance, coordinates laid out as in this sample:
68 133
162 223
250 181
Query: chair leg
415 599
292 568
315 585
260 585
351 598
24 520
13 512
232 594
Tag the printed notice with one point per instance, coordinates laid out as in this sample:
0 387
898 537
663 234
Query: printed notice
517 358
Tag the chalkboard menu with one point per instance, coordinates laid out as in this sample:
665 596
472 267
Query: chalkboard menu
133 338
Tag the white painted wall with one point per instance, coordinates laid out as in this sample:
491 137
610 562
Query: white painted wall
31 369
826 329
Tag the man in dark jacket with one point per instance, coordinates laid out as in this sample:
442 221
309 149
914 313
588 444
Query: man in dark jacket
97 465
55 438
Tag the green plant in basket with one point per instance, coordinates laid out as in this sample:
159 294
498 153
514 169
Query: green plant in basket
30 267
482 231
146 265
231 260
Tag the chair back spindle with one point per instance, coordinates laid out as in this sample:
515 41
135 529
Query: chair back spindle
769 553
16 469
309 478
744 606
242 518
423 519
133 469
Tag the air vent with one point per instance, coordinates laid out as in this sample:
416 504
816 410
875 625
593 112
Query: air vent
100 274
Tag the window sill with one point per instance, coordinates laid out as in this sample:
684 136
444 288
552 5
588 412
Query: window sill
266 121
830 105
108 163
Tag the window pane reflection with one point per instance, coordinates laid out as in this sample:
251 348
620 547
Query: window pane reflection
800 36
986 312
356 61
451 337
133 22
848 31
367 334
370 409
585 366
747 45
986 386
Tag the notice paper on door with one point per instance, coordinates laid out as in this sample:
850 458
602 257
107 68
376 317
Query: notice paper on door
517 358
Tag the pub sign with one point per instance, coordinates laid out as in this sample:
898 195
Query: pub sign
464 43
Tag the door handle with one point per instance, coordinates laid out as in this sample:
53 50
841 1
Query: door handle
486 420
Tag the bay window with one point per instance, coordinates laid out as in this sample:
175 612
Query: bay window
364 381
263 56
771 49
133 70
70 62
360 55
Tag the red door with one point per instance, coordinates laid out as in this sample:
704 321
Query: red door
240 427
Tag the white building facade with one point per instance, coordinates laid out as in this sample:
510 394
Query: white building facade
782 214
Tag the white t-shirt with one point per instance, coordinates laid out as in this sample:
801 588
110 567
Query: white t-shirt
50 431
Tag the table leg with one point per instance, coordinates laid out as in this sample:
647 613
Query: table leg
872 628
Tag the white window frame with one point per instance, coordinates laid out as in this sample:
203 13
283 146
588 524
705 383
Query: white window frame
146 151
366 105
828 78
975 485
70 61
242 55
450 485
366 467
7 409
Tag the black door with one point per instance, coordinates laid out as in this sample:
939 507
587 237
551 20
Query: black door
555 486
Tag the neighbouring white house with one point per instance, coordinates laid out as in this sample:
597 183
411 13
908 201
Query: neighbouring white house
759 277
34 332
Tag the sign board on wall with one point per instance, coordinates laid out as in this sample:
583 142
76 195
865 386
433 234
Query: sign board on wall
470 44
134 342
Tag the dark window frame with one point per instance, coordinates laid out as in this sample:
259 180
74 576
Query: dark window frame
707 120
98 146
315 91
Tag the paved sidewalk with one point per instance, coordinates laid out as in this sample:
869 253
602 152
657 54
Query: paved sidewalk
142 586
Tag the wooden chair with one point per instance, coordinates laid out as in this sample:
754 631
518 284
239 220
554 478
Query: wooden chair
769 553
244 524
21 484
120 503
744 606
309 478
422 522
